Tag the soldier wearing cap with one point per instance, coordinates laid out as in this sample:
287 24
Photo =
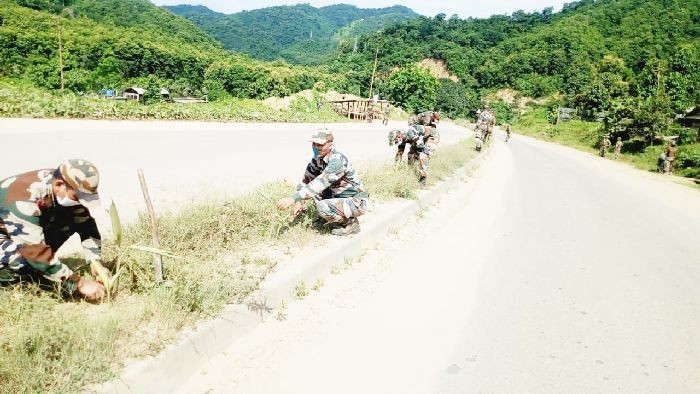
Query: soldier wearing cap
604 145
423 141
333 183
39 211
618 147
670 156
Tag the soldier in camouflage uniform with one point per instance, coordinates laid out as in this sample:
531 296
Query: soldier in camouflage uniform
618 148
423 141
604 145
332 182
39 211
387 112
427 118
670 157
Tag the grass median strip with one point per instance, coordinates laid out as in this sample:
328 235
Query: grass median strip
50 345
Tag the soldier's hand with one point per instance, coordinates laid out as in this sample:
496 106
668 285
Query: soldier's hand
297 208
285 202
91 290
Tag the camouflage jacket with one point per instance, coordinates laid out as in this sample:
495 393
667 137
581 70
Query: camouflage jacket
424 119
333 173
33 227
418 135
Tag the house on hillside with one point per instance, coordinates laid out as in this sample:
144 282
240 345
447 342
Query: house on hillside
165 94
134 93
692 120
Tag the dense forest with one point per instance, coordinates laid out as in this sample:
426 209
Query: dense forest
120 43
632 63
614 60
300 34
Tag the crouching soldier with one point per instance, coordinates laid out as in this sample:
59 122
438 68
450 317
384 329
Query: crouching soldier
333 183
39 211
423 141
427 118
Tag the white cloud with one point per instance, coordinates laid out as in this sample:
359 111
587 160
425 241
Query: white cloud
479 9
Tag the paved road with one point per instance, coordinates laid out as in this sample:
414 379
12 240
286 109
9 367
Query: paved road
554 271
186 161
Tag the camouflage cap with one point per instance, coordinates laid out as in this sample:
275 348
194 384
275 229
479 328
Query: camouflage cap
321 136
83 177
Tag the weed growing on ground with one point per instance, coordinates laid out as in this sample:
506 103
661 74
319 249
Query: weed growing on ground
282 311
300 291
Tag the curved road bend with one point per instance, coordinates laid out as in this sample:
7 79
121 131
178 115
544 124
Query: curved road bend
559 272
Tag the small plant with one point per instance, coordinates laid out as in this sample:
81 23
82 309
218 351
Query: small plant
300 291
335 270
282 311
111 282
317 286
348 262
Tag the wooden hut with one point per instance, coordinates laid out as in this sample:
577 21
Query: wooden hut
692 120
134 93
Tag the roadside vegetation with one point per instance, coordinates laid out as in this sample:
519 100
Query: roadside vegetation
27 101
225 249
537 122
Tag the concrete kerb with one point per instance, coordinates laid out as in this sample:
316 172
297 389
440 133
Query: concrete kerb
174 365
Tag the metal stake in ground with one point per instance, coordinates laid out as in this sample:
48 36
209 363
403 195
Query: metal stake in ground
158 259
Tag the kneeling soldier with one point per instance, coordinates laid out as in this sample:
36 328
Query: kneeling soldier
332 182
39 211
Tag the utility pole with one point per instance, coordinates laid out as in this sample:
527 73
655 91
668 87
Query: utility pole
658 77
374 70
60 49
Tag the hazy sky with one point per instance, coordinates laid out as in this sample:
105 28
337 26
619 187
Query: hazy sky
464 8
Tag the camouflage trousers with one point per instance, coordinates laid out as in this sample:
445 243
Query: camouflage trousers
668 165
419 154
335 210
9 257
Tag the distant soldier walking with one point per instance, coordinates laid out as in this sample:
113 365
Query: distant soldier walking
618 147
387 111
604 145
508 131
670 157
332 182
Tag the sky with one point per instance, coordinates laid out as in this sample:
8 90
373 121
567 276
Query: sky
464 8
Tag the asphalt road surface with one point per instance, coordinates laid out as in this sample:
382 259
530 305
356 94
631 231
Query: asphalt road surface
553 271
186 161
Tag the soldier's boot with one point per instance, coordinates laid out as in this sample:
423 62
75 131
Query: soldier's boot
351 226
422 181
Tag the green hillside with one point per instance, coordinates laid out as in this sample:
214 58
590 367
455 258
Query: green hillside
119 43
543 53
301 33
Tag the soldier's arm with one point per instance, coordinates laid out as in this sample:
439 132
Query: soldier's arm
26 238
90 237
333 172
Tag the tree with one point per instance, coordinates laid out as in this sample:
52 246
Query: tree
455 99
413 88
